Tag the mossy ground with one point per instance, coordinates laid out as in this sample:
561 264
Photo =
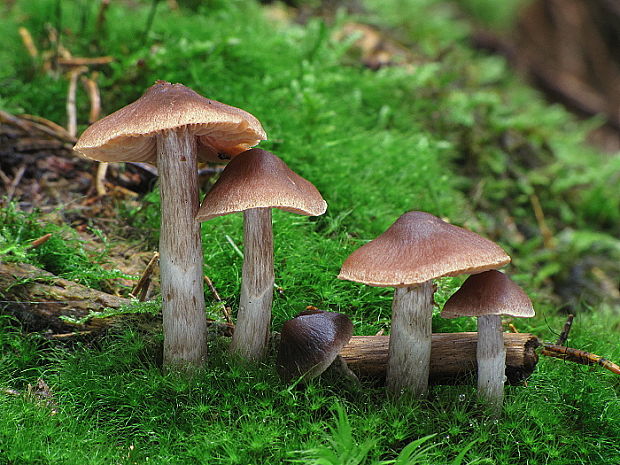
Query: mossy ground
454 134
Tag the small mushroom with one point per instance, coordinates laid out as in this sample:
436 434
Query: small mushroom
416 249
487 296
173 126
254 182
311 342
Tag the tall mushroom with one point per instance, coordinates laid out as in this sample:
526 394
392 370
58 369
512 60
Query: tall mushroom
416 249
487 296
254 182
311 342
173 126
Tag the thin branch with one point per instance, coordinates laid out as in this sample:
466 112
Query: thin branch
578 356
564 334
142 286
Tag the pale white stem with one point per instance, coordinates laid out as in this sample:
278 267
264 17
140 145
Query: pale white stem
254 317
410 340
491 357
180 249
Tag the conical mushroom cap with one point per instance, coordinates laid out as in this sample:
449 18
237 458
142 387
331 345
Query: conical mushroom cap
129 133
488 293
419 247
310 342
259 179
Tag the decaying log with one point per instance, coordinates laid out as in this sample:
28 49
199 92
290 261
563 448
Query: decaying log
39 299
453 356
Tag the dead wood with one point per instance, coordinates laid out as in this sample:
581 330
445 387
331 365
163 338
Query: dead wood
453 356
42 301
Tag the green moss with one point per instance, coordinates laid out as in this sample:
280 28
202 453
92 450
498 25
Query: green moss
455 134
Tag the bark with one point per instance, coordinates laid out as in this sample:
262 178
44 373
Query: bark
254 317
453 359
410 340
38 299
180 249
491 357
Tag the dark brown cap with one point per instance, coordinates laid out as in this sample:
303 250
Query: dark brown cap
129 133
259 179
419 247
488 293
310 342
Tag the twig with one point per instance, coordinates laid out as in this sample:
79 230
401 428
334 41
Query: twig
40 241
92 89
546 233
49 127
564 334
18 177
578 356
84 61
225 309
513 328
71 110
28 42
142 286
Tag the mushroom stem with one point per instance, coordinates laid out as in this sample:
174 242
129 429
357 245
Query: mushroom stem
410 340
491 357
180 249
254 317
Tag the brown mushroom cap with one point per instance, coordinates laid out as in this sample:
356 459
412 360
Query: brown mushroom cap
488 293
310 342
259 179
419 247
129 133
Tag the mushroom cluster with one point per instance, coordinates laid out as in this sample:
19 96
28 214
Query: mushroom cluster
416 249
174 127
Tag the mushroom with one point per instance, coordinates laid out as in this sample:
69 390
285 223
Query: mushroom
487 296
311 342
173 126
254 182
417 248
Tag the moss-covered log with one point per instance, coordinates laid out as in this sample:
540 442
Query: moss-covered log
39 299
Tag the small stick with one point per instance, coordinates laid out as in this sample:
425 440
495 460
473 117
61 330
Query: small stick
48 127
225 309
564 334
18 177
513 328
40 241
71 110
578 356
84 61
28 42
542 224
94 96
142 286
